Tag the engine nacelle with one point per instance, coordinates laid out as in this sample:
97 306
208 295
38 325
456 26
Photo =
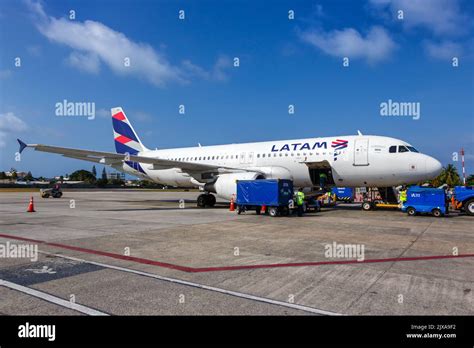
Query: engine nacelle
275 172
225 185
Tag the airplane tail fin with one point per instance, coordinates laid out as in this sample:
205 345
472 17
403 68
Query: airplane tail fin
125 138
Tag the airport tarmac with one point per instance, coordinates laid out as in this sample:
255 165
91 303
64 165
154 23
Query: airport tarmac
148 253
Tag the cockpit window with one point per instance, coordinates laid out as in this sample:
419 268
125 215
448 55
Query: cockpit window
392 149
412 149
402 148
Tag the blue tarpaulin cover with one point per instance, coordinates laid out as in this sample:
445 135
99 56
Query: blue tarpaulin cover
264 192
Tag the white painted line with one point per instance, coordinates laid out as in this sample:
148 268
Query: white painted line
201 286
50 298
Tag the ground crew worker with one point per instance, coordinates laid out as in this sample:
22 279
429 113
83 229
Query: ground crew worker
299 198
403 195
329 197
322 180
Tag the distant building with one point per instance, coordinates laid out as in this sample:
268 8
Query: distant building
19 174
65 178
116 176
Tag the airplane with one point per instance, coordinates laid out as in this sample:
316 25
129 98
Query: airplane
348 161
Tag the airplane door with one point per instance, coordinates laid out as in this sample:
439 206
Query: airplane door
361 152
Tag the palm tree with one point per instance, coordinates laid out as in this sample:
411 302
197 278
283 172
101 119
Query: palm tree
449 175
470 180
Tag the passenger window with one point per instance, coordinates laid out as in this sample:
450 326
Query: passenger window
402 149
392 149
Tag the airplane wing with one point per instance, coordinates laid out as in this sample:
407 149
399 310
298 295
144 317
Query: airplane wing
117 158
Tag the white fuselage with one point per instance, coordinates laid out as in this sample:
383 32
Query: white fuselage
354 161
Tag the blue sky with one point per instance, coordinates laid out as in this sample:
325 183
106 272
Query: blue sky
190 62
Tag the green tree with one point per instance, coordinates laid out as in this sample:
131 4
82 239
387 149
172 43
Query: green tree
83 175
449 175
29 176
3 175
470 180
14 175
117 182
104 174
94 171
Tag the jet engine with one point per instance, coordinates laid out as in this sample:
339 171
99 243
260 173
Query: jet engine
225 185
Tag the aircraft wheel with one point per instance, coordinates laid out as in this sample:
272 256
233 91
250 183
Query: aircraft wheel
211 200
201 201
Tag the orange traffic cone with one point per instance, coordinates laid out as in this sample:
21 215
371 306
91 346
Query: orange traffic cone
232 205
31 206
263 209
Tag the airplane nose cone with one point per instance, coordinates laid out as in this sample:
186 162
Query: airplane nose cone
433 167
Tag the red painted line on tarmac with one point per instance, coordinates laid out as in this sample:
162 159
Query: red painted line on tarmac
233 268
103 253
322 263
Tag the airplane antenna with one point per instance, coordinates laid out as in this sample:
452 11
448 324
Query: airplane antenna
199 144
358 132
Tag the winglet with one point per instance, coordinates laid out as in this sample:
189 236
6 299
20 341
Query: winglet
22 145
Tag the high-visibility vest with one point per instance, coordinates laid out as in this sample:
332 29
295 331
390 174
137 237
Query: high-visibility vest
403 196
299 198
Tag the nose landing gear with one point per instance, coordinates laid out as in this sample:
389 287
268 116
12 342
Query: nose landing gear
206 200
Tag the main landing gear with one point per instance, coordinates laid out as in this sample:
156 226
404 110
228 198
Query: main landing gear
206 200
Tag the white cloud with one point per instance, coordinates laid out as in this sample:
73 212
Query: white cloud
377 45
9 123
444 50
88 62
442 17
216 73
93 41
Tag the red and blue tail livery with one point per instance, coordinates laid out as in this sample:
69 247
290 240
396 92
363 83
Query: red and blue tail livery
125 138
